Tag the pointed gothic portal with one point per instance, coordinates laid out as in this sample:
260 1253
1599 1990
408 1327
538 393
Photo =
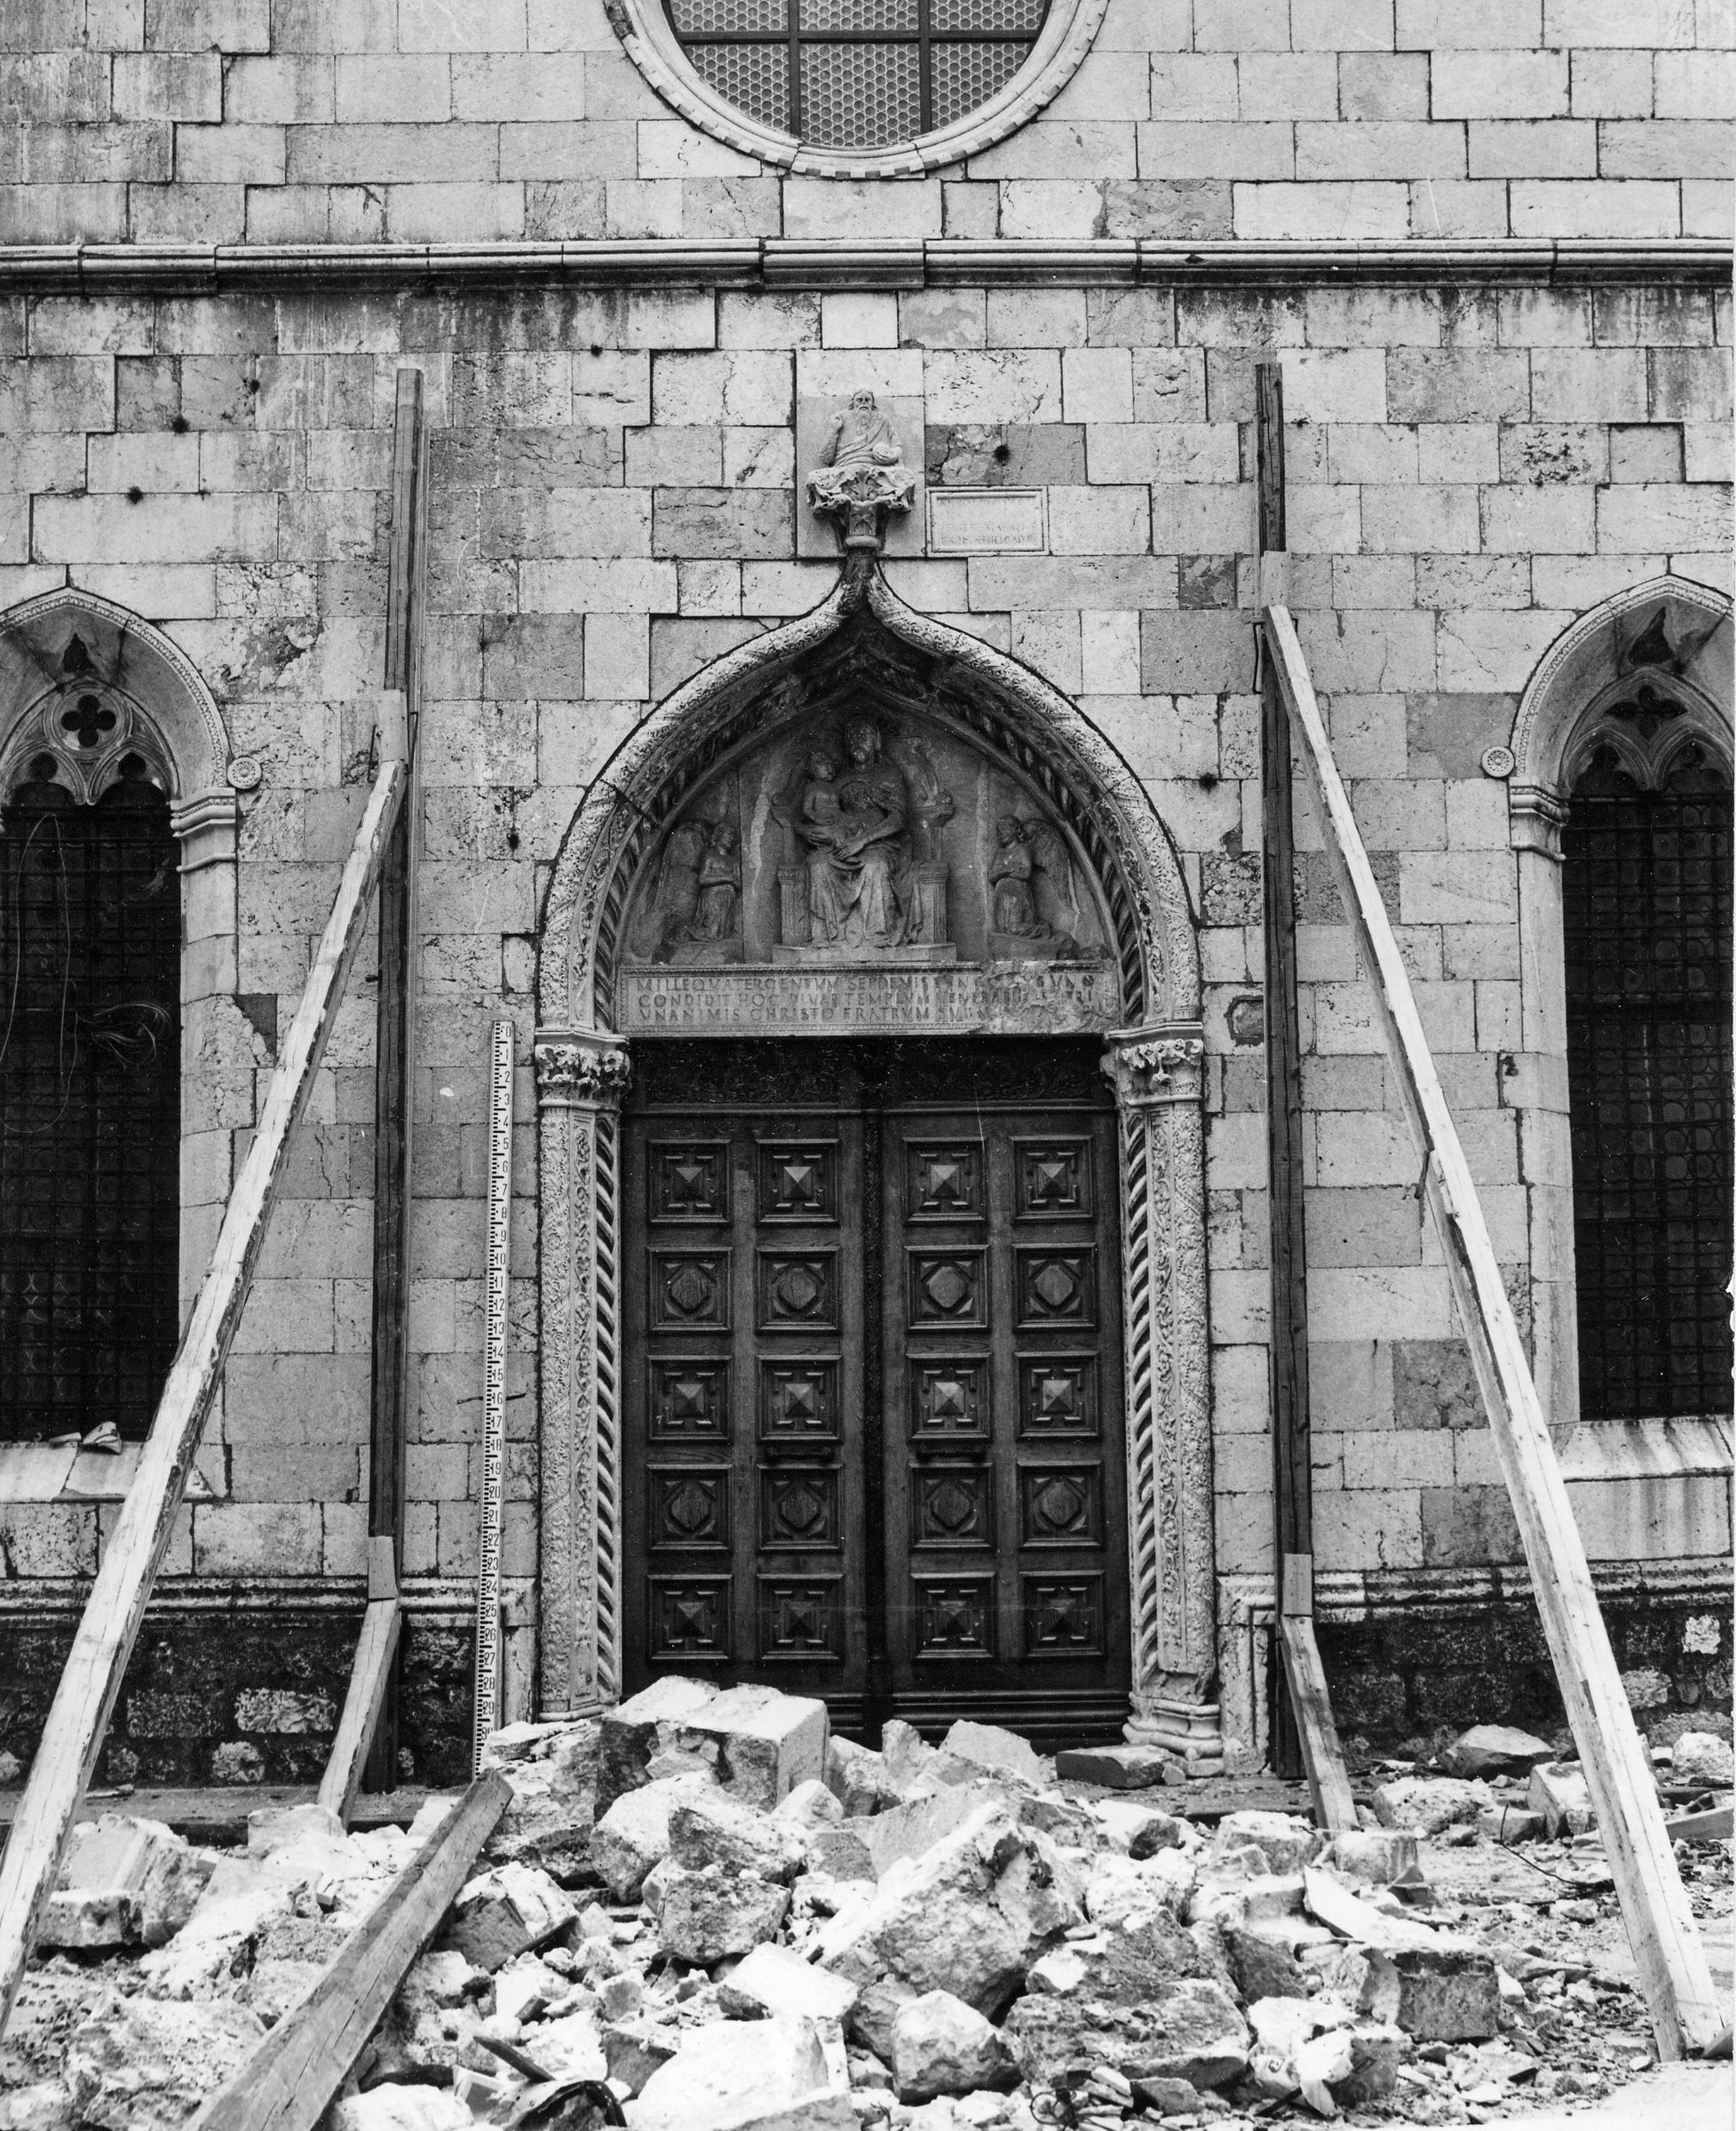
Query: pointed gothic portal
873 1402
874 1345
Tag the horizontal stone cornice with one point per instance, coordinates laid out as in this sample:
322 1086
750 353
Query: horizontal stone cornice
796 263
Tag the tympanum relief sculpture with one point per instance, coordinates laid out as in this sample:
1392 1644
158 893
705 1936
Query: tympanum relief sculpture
868 841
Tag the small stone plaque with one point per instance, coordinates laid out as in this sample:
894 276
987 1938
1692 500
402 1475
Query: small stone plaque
1033 998
987 521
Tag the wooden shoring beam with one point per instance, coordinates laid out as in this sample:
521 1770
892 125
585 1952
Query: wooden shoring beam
374 1648
394 1034
108 1629
1293 1514
1328 1778
1671 1962
291 2078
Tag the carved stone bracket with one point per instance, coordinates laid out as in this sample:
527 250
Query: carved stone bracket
859 499
1157 1074
580 1077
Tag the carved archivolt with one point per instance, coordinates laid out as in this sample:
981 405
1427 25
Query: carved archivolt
620 903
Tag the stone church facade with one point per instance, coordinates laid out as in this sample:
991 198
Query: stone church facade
838 756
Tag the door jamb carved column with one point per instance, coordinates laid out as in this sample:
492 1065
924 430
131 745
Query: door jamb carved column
1158 1076
580 1077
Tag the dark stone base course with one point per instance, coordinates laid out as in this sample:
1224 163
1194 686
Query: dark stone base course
245 1695
1405 1676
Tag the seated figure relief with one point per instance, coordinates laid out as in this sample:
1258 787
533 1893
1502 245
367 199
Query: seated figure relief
1031 893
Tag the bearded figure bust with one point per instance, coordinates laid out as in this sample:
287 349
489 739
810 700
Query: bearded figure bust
862 476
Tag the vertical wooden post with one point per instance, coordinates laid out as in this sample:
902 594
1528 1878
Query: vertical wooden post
1292 1499
393 1025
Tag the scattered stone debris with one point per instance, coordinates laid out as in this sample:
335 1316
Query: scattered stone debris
739 1923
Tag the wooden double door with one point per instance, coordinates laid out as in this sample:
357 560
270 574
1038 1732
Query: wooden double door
872 1378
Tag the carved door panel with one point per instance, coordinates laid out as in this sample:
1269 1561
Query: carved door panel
1005 1515
871 1369
743 1354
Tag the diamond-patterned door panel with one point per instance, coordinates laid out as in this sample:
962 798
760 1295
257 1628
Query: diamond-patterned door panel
798 1508
688 1618
798 1403
798 1291
688 1181
1060 1506
1058 1395
1056 1286
944 1183
798 1181
947 1288
953 1506
1052 1177
689 1291
949 1403
1062 1616
689 1506
954 1616
801 1619
689 1401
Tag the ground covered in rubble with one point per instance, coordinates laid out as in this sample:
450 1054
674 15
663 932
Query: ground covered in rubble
739 1923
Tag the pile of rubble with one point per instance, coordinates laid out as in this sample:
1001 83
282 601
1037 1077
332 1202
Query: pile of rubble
733 1921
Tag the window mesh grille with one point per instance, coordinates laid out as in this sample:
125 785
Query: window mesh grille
1647 909
857 74
89 1108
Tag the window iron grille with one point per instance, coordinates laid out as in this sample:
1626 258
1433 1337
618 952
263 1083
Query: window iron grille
89 1099
857 74
1647 915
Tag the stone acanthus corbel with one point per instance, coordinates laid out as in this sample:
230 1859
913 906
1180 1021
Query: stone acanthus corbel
580 1077
1158 1075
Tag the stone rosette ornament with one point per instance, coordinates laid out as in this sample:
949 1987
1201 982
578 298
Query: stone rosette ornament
862 479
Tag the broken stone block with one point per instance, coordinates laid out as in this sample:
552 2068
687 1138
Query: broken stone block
392 2107
511 1910
971 1915
124 1881
840 1853
1446 1994
547 1818
1166 2097
912 1829
942 2046
712 2079
856 1777
1359 1977
1056 1973
1372 1856
1377 2053
711 1827
633 2050
996 1751
1426 1804
1511 1824
633 1836
43 2106
1701 1757
274 1827
704 1916
1141 1831
810 1805
874 2016
1120 1887
93 1920
1116 1768
1559 1794
145 2064
905 1754
633 1733
213 1950
777 1980
525 1986
571 2045
767 1742
1188 2030
1285 1843
1262 1962
1494 1750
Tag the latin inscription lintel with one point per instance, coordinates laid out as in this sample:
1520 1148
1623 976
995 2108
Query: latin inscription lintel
1013 999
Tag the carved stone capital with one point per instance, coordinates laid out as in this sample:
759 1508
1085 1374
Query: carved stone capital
1536 816
1149 1065
590 1067
859 498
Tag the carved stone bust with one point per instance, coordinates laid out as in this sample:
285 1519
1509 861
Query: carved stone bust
861 477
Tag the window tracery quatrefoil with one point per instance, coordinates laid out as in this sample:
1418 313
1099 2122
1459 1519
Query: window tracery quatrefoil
85 737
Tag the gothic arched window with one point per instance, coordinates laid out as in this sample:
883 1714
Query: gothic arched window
89 1067
1648 910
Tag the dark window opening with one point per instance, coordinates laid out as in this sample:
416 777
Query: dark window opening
857 74
89 1105
1647 909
